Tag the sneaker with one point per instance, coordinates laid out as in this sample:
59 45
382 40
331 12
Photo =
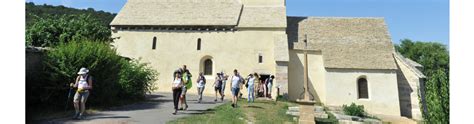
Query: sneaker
80 117
175 111
76 115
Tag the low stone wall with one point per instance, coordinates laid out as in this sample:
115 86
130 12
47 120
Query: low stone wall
34 63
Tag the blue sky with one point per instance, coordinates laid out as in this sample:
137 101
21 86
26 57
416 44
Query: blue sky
419 20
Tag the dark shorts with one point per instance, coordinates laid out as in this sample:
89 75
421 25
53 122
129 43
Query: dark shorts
235 91
217 88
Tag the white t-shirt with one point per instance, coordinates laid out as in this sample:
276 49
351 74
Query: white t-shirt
235 81
176 82
251 81
201 82
83 82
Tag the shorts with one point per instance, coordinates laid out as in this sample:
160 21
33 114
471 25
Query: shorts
217 89
183 91
235 91
82 97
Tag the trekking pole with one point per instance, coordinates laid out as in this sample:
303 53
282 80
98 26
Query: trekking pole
68 97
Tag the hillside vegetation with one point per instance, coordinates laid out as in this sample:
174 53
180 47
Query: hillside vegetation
33 12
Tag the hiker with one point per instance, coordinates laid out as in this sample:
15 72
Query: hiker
83 84
236 81
224 80
218 87
177 88
186 76
201 84
250 87
269 83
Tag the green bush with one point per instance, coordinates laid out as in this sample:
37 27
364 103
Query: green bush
136 79
435 60
50 31
115 78
354 110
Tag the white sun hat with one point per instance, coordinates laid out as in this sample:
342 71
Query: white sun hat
83 71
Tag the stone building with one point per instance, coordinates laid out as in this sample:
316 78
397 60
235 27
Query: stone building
350 59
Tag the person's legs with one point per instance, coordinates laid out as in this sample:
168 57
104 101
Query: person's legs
251 94
84 95
264 90
236 99
270 90
200 89
216 90
183 98
176 95
76 101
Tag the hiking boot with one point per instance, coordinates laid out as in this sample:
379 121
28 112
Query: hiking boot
76 115
80 117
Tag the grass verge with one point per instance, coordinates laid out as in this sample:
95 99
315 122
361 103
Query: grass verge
259 112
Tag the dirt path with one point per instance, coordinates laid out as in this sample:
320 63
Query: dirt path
156 109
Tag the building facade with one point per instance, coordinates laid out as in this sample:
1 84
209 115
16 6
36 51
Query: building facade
350 59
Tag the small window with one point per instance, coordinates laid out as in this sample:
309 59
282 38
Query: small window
199 44
154 43
362 88
208 67
260 58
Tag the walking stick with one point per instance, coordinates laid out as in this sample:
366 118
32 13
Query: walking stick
68 97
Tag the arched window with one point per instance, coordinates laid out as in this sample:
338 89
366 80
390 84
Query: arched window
208 67
199 44
362 88
154 43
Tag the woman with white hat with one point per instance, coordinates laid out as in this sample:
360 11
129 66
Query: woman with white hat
83 84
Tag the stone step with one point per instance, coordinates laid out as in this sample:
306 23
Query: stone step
316 114
316 109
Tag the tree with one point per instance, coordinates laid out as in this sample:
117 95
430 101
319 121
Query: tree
435 59
52 30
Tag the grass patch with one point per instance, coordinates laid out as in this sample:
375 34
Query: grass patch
259 112
221 114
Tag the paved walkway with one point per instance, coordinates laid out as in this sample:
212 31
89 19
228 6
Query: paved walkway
156 109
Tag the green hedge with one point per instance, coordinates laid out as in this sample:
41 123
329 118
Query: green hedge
115 78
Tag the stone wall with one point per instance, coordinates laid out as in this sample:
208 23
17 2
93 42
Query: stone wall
34 59
409 90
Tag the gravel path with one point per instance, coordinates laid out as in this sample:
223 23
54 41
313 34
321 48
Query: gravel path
156 109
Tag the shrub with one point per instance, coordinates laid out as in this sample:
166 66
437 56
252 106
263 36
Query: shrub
354 110
115 78
136 79
53 30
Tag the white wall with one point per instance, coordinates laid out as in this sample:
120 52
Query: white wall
316 75
229 50
382 84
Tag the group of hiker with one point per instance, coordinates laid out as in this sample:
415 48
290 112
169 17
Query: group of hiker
182 82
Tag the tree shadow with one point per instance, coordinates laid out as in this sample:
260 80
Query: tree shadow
251 106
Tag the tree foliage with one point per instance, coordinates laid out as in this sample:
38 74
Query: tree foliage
435 59
52 30
35 12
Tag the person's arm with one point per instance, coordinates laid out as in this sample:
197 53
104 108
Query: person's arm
76 82
89 81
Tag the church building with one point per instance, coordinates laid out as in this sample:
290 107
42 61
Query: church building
350 59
